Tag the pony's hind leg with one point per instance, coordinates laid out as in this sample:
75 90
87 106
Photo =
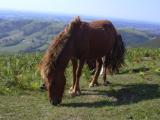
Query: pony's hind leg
95 77
74 63
105 71
76 90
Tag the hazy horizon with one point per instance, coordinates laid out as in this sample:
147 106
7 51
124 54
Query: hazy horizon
144 10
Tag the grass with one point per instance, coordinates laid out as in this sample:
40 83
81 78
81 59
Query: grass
131 95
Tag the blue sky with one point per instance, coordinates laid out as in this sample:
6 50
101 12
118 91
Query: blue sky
142 10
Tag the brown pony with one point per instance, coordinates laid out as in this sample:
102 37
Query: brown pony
82 41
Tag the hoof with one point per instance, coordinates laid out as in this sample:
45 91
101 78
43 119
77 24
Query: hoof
106 83
78 92
75 93
71 89
93 84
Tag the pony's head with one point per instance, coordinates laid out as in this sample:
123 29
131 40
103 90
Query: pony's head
52 75
55 84
50 69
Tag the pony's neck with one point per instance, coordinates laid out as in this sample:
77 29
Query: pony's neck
65 56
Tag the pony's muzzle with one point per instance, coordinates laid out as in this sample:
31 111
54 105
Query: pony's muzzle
55 102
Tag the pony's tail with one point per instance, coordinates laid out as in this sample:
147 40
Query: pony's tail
115 59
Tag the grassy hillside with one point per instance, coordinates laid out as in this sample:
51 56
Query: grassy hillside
134 37
133 94
29 35
155 43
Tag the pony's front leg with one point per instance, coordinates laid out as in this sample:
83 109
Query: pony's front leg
74 63
76 90
98 69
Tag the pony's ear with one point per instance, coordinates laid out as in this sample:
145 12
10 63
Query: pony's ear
75 22
77 19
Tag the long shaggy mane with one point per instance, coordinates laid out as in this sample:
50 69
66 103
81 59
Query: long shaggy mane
56 47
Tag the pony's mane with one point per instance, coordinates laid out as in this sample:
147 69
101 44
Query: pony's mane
56 47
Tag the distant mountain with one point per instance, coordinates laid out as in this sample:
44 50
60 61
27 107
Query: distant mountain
155 43
27 35
133 37
29 32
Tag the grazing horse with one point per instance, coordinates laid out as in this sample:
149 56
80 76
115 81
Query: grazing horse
83 41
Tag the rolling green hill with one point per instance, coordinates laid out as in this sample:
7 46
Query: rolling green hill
134 37
155 43
29 35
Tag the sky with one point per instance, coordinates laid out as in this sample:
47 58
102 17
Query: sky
141 10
